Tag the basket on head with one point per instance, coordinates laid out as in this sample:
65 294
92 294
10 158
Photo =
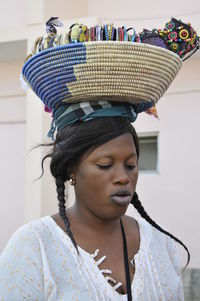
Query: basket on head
104 63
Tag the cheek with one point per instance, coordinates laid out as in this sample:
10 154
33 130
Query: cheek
134 177
135 174
87 172
91 188
92 178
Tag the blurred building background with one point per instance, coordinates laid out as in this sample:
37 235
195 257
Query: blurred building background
168 187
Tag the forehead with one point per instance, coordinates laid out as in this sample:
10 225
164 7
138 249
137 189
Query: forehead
122 146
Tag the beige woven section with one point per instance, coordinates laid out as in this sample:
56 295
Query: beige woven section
123 71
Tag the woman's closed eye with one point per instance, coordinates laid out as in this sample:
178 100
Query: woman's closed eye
130 166
107 166
104 166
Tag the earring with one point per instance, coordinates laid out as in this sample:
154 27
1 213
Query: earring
72 181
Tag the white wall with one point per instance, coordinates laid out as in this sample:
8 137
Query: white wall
141 10
13 13
12 150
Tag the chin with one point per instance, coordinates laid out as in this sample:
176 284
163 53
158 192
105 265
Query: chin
113 212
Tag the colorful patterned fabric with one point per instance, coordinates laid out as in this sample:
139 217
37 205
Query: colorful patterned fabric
176 36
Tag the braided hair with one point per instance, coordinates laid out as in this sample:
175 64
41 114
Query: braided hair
61 204
72 142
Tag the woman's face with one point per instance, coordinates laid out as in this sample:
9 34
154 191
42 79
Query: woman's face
106 178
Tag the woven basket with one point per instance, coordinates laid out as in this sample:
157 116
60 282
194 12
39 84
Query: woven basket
101 70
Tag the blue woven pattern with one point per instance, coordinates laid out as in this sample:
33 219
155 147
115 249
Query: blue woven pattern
49 81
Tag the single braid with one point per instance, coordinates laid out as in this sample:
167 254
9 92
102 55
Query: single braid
137 204
60 188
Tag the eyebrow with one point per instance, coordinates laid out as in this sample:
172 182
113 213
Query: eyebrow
110 156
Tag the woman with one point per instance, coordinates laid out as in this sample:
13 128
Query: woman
104 172
105 255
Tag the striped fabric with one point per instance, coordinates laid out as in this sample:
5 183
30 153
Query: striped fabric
84 111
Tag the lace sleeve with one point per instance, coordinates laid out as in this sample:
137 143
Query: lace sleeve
21 268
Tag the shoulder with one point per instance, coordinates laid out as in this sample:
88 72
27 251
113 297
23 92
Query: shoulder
155 240
132 232
130 224
137 225
26 237
129 221
21 263
21 236
151 236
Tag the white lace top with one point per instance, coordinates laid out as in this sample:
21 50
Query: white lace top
40 263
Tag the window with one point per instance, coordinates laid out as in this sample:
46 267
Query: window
148 152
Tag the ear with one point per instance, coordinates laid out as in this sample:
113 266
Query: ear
72 170
71 173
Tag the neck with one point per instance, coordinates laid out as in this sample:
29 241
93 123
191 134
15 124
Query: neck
83 219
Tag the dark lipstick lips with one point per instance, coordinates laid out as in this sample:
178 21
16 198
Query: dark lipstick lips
121 197
121 193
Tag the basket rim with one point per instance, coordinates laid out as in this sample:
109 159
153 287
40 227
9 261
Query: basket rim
111 43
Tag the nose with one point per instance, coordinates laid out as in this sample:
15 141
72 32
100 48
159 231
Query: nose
121 176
